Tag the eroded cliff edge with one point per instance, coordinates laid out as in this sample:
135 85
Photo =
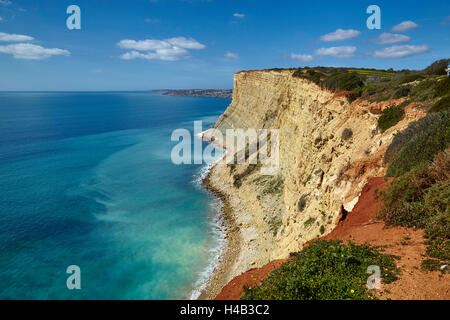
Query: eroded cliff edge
328 150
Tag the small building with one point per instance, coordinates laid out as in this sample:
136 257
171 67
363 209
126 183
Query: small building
448 70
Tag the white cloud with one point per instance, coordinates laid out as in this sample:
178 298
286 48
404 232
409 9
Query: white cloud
186 43
30 51
5 2
340 35
9 37
1 18
239 15
171 49
152 44
231 55
338 52
405 26
173 54
302 57
390 38
395 52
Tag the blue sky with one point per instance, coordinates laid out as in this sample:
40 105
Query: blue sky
150 44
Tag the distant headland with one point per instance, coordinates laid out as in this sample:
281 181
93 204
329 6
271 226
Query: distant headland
211 93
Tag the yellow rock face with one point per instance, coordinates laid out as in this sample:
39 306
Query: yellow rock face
321 169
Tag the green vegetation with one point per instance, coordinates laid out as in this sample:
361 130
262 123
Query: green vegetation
322 229
390 117
401 92
309 222
335 79
238 178
381 85
419 143
442 105
417 200
347 133
410 78
425 126
342 82
274 186
431 264
368 72
437 67
424 90
419 197
275 224
325 270
442 87
301 204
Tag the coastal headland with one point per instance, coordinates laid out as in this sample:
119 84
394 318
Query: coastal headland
209 93
331 147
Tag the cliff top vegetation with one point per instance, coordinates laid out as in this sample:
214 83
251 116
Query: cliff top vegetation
428 86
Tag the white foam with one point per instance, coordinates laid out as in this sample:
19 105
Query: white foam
217 223
218 229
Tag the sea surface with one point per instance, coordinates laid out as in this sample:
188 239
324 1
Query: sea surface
87 179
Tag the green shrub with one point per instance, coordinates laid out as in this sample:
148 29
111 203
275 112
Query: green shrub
439 249
420 198
301 204
431 264
275 186
343 82
334 79
310 74
275 224
415 130
298 73
309 222
325 270
390 117
402 199
401 92
410 78
423 91
442 87
442 105
437 67
423 146
347 133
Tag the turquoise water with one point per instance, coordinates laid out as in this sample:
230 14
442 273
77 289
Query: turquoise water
86 179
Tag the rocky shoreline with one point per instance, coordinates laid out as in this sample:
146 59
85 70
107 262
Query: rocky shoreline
243 249
220 276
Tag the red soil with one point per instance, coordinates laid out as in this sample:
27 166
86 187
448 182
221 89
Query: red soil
361 227
235 289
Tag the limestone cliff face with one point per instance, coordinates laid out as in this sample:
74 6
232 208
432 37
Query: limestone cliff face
322 168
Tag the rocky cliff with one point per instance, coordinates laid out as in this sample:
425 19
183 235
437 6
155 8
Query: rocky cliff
328 148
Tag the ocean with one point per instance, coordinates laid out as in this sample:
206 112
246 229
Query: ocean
86 179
